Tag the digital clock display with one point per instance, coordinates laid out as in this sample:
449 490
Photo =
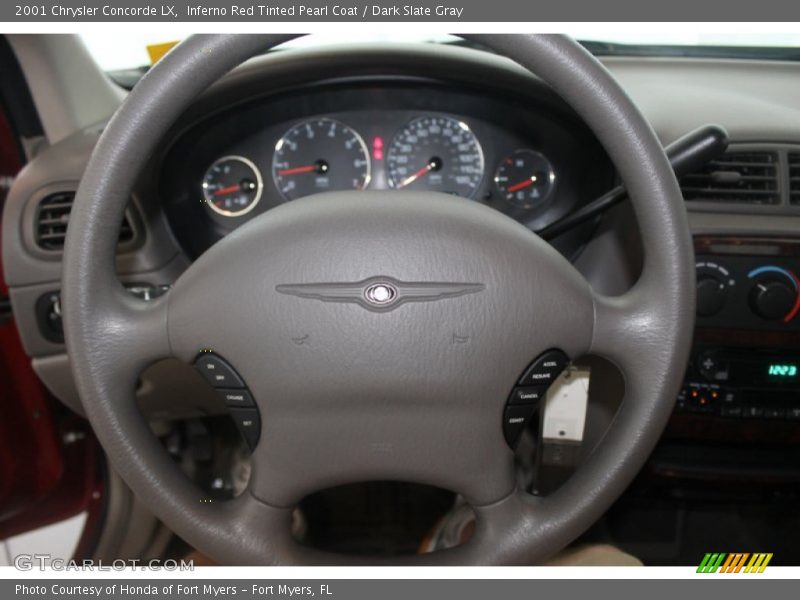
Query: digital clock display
782 371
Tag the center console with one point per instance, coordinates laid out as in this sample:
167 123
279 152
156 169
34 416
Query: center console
745 363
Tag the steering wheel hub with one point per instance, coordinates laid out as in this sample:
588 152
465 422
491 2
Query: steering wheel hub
424 372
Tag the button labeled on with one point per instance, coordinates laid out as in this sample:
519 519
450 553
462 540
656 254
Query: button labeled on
545 369
217 372
248 423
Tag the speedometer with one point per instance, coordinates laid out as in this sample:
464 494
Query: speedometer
436 153
320 155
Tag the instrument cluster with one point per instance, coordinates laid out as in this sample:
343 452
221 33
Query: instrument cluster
432 152
227 165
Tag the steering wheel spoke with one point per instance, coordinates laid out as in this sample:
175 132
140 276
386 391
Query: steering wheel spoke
122 340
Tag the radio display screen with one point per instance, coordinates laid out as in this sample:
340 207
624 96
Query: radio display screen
750 369
782 371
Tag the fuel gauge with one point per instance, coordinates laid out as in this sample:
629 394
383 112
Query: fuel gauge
232 186
525 178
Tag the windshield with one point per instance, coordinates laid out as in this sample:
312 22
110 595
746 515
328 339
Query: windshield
119 51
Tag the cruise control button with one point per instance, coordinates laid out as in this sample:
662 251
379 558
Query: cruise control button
248 423
515 419
217 372
234 398
527 395
545 369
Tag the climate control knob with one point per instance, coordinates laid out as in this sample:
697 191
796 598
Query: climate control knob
711 293
772 299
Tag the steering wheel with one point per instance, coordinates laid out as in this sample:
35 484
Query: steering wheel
379 333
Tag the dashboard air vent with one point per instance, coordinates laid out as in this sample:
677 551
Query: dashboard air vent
52 217
794 178
737 177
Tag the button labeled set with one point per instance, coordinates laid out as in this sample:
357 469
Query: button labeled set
529 391
233 391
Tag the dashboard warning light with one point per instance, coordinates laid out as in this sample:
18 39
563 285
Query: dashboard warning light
377 148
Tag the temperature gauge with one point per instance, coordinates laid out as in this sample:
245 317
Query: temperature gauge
525 178
232 186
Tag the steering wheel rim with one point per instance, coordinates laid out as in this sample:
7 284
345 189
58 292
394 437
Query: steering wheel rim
111 336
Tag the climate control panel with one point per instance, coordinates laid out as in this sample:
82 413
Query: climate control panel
748 292
745 363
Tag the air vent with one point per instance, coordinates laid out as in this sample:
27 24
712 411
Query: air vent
737 177
794 178
52 218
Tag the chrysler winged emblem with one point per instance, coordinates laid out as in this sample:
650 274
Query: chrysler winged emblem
380 293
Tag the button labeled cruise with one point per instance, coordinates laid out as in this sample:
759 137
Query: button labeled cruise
217 372
234 398
248 423
544 370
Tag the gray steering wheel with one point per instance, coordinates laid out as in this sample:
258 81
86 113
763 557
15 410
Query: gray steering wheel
378 390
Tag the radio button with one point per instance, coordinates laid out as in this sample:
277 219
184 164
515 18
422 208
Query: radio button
731 411
712 368
774 413
680 403
753 412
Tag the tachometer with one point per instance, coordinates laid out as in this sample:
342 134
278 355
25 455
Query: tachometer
232 186
436 153
320 155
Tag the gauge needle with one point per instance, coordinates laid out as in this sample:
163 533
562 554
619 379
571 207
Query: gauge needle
433 165
522 184
298 170
320 167
228 190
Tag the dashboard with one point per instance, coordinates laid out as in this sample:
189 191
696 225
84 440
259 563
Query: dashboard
384 135
467 123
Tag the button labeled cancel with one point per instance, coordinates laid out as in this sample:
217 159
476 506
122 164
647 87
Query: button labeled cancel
527 395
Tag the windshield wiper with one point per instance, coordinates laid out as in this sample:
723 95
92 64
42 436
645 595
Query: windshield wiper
676 51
